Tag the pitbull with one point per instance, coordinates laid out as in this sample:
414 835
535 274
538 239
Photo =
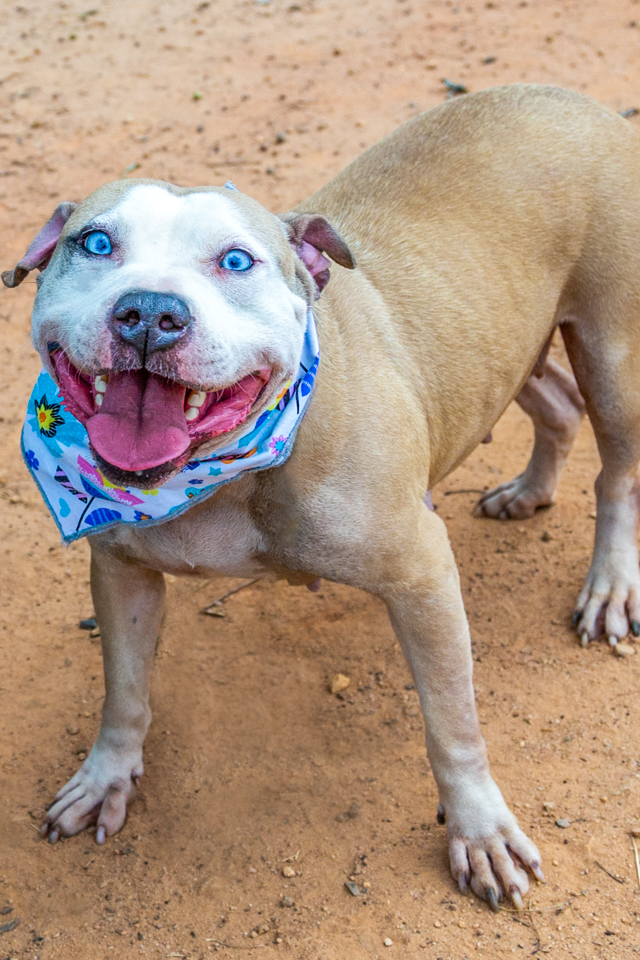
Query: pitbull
478 228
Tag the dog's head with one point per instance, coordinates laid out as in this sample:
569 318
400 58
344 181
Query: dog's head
170 317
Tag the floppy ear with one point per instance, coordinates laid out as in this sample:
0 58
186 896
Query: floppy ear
311 235
41 249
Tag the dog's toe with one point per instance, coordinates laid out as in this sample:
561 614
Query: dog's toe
495 865
515 500
98 793
609 603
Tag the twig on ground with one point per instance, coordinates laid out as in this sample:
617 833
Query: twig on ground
211 608
612 875
635 851
234 946
449 493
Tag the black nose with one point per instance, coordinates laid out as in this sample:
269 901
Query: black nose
150 321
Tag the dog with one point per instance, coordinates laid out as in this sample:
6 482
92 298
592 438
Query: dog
457 245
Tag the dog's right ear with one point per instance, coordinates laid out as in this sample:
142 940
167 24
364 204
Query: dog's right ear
311 236
41 248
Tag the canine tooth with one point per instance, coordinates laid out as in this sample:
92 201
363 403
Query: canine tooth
196 398
99 399
100 384
191 413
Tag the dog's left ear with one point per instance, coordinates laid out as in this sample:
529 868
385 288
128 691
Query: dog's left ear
41 248
311 235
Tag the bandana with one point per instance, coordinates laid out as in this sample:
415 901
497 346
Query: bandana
55 446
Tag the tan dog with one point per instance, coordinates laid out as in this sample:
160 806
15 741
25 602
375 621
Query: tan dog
478 228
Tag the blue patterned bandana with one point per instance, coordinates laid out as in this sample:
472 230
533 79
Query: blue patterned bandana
55 446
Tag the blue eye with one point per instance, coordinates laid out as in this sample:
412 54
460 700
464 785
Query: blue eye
97 243
236 260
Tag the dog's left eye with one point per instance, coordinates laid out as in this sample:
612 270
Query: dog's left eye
98 243
236 260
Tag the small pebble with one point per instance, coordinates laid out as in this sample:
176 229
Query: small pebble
73 731
288 871
623 650
548 805
350 814
89 624
563 824
353 888
388 942
437 923
286 901
338 683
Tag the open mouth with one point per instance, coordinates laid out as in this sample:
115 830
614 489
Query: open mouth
143 427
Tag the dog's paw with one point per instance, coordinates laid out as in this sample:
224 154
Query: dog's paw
517 499
609 603
488 851
98 793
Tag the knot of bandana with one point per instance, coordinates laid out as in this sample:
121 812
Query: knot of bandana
55 446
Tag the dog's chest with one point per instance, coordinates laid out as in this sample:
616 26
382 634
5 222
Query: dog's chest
216 537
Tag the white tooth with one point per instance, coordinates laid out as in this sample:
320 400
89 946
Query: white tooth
99 399
191 413
101 385
196 398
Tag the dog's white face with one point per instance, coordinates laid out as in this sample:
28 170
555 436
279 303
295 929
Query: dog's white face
170 318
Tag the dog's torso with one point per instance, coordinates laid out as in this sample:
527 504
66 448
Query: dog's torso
469 226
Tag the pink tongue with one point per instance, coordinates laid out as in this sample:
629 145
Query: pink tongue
141 423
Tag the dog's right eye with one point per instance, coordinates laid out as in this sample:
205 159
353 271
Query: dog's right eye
97 243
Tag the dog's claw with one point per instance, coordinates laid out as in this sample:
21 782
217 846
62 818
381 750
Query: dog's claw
441 816
53 836
536 870
463 884
100 835
492 898
575 618
635 628
584 639
517 899
613 641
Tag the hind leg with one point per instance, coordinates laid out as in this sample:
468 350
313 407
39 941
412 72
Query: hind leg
605 361
555 404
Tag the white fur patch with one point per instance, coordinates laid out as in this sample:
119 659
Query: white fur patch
174 244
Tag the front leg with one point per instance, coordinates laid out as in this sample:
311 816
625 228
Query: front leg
128 601
487 848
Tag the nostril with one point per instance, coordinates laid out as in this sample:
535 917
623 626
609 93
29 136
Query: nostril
167 322
131 317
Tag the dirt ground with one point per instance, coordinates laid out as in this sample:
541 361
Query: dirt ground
251 764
